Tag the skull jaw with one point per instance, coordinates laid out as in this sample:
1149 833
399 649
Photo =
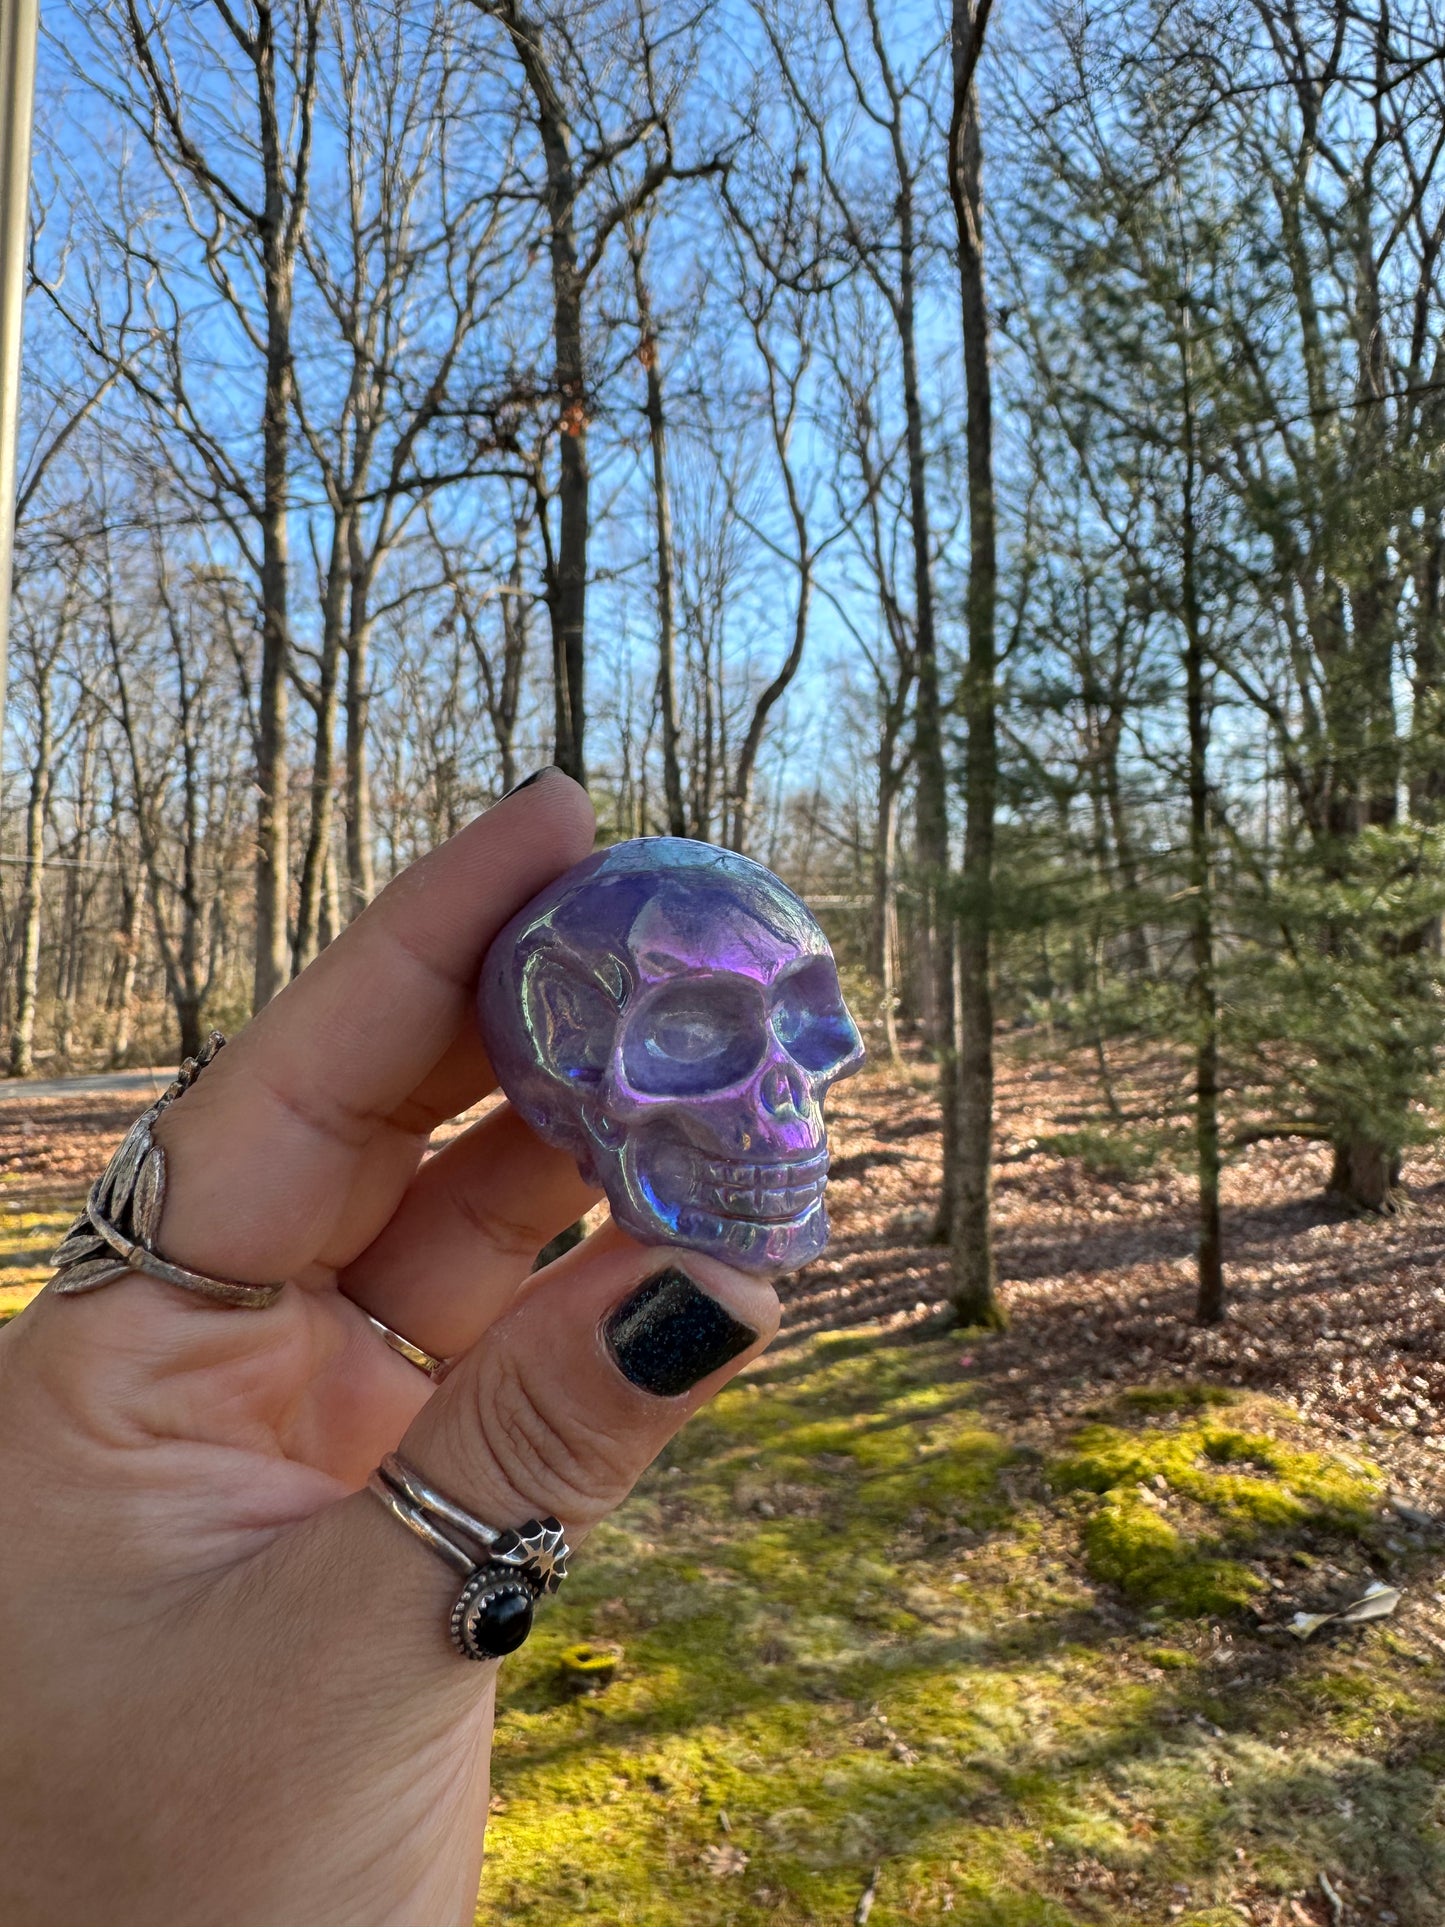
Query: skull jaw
762 1248
653 1212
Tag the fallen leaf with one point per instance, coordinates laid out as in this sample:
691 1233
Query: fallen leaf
1377 1601
722 1861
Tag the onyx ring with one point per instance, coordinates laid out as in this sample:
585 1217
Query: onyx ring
504 1572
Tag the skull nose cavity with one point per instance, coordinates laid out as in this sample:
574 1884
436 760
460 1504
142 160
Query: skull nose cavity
782 1091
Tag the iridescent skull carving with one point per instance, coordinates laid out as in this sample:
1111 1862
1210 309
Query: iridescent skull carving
670 1014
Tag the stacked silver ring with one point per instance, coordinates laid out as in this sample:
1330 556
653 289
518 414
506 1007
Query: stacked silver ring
504 1572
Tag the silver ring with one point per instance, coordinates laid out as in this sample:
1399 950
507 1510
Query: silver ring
425 1361
116 1232
504 1571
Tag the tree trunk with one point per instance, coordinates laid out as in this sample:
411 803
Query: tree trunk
568 174
332 921
273 829
747 763
309 908
567 601
514 661
70 986
567 585
705 767
662 502
1427 745
1364 1174
273 110
121 991
783 397
1126 862
27 989
940 1002
273 803
180 951
1427 762
973 1293
360 854
883 935
188 1024
1210 1303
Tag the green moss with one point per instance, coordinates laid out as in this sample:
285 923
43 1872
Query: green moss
1175 1398
1355 1704
1114 1151
586 1665
1239 1489
850 1647
1130 1546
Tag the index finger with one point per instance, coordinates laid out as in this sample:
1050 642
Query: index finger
296 1143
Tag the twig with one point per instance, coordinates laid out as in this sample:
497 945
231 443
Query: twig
866 1899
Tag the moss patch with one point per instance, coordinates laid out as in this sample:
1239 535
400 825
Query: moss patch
1131 1547
1182 1501
1188 1397
860 1637
1115 1151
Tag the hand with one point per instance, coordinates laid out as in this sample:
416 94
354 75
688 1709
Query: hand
229 1695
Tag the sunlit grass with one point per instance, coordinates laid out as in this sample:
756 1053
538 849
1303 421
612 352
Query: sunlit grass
861 1635
28 1234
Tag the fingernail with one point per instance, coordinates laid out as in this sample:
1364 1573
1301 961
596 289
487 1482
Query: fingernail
668 1334
527 781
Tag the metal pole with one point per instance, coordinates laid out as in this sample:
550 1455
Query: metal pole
19 26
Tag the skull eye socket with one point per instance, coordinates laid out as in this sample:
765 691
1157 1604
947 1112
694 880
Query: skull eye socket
810 1019
693 1038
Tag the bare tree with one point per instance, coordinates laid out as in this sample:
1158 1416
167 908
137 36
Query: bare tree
888 244
239 183
972 1290
605 157
491 612
712 552
649 352
167 656
37 648
409 261
874 506
778 291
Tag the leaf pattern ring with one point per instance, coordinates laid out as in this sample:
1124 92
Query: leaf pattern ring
116 1231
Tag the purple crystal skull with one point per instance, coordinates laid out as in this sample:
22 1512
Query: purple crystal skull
670 1014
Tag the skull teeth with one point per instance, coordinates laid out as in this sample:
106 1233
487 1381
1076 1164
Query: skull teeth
774 1173
772 1193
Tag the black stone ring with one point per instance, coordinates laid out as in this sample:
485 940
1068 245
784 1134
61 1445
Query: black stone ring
504 1572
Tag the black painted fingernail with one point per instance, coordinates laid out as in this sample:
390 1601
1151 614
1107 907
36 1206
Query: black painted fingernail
668 1334
527 781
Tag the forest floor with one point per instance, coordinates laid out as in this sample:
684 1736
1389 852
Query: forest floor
915 1626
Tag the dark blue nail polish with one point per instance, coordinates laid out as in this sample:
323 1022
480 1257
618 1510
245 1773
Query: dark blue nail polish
668 1334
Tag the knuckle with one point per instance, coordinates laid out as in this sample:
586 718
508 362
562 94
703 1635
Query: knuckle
563 1465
